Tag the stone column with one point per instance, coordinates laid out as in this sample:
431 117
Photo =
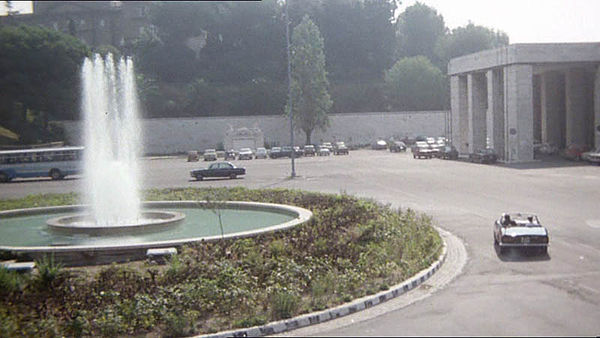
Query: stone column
477 102
518 103
577 115
553 117
458 102
597 109
495 111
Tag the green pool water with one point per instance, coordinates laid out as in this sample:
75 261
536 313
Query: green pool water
32 231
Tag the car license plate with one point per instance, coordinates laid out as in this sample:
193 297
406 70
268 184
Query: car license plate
525 240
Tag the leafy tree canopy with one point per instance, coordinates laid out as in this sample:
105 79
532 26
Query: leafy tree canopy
39 76
415 84
310 98
418 29
469 39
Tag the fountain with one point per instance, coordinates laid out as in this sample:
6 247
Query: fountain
112 143
114 225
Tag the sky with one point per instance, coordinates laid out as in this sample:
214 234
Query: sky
525 21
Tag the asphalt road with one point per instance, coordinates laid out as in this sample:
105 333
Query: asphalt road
514 294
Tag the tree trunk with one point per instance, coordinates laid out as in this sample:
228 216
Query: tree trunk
308 133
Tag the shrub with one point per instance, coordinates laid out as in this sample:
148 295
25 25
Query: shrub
10 281
47 271
284 304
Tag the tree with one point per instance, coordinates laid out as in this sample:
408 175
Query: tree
310 100
415 84
469 39
418 29
39 78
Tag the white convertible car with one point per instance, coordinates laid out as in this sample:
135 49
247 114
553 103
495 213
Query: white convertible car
521 230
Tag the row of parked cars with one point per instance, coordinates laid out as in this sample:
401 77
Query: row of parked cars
324 149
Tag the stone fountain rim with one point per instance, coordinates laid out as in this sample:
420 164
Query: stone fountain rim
301 215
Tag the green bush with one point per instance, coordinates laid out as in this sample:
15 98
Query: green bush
47 271
10 281
284 304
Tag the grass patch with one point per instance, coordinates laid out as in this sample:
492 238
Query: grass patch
351 247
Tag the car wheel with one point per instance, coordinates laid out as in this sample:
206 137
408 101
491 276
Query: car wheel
4 178
543 250
55 174
200 177
233 176
495 240
502 250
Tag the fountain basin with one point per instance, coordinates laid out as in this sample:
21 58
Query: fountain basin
25 231
83 224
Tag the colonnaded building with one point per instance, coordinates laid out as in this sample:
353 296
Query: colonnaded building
512 97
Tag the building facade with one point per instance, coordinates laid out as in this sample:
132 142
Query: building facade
96 23
512 97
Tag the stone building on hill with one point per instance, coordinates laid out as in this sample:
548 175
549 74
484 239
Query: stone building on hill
96 23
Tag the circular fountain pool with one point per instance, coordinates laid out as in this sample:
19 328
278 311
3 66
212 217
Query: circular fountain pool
26 231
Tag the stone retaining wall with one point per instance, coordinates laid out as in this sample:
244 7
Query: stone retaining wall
179 135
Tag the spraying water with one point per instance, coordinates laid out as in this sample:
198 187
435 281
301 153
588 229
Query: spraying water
112 140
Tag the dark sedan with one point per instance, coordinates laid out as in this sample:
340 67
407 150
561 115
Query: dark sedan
397 146
219 169
449 153
487 155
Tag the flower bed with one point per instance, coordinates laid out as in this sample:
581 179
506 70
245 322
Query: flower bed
352 247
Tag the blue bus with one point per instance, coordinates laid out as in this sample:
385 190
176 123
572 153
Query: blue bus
55 163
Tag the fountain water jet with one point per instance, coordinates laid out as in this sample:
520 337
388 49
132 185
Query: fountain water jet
112 145
112 140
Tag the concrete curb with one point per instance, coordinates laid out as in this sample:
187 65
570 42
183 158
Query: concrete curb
340 311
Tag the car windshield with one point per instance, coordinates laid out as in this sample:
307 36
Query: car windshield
522 220
245 150
210 151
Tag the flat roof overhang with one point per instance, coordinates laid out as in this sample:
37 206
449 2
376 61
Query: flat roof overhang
528 53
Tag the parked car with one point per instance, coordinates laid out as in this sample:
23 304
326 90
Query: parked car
261 153
193 156
298 152
574 152
309 150
324 151
431 141
421 150
275 152
397 146
520 230
592 156
230 155
210 155
436 148
379 145
326 145
544 149
449 152
286 151
340 149
218 169
245 154
487 155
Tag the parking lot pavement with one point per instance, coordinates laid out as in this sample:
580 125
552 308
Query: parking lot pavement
516 294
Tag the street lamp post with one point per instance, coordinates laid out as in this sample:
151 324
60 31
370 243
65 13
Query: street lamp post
289 71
